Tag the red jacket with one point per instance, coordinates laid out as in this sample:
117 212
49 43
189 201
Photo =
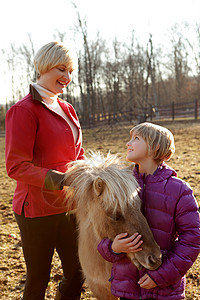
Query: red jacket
39 140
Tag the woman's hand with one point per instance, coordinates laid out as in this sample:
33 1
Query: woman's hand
127 245
146 282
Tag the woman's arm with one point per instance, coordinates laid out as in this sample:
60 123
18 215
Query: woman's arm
81 154
21 128
21 134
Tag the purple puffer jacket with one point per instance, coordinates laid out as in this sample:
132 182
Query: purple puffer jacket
172 213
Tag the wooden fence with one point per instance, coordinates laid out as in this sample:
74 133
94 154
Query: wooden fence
173 111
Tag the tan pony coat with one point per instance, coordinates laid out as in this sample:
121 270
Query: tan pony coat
106 196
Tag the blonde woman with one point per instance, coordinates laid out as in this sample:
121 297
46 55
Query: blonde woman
43 134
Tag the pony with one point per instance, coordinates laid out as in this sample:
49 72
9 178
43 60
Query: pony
105 194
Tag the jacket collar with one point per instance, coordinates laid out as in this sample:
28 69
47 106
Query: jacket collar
36 96
162 172
34 93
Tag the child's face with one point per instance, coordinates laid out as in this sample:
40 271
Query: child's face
137 149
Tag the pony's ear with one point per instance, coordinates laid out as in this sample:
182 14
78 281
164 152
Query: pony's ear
99 186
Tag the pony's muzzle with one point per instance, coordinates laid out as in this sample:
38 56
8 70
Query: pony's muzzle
154 262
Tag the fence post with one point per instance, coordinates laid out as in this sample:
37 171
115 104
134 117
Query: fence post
173 110
131 114
109 118
196 109
151 112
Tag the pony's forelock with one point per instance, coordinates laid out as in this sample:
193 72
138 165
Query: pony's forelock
121 186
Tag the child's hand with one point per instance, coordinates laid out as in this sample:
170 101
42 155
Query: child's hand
127 245
146 282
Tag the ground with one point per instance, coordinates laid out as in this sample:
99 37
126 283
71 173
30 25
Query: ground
186 162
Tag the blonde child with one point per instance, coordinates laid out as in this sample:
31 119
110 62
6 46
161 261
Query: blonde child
172 213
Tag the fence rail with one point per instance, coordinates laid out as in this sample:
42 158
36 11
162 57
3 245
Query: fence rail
172 111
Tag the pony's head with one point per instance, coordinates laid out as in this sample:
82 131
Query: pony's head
106 196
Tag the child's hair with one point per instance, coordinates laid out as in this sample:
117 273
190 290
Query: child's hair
50 56
160 140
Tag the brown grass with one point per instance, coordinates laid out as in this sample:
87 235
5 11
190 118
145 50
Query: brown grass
12 268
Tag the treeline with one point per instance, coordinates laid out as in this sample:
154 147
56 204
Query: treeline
116 76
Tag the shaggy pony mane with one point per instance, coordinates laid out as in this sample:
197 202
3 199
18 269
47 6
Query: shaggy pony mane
120 185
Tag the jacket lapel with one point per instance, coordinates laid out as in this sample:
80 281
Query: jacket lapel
36 96
68 113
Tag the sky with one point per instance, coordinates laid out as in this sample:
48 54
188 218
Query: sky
112 18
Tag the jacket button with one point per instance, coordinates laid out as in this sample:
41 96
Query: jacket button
26 203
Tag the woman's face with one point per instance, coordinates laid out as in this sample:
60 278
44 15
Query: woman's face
56 79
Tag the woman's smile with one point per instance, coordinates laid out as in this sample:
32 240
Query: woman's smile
56 79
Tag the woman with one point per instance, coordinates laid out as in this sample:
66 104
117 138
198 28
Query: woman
43 134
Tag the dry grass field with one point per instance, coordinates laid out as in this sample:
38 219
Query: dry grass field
12 268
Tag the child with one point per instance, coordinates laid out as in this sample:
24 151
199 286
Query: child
172 213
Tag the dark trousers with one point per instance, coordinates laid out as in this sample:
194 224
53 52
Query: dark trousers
40 236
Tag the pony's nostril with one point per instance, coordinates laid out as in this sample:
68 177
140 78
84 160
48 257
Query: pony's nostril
152 260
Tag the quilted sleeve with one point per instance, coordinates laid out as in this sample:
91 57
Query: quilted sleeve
106 252
186 247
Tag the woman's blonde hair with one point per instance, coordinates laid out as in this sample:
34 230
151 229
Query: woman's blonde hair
50 56
160 140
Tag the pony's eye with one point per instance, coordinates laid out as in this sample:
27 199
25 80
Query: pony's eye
117 217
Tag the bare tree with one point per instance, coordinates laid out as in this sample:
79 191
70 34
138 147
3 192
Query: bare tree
19 60
152 69
27 53
129 70
11 59
179 63
195 48
86 66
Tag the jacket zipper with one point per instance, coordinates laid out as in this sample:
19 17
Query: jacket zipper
144 186
140 294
